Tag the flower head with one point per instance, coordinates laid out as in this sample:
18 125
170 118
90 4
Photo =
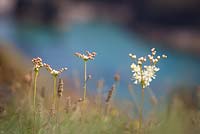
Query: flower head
87 56
133 56
164 56
37 62
143 75
52 71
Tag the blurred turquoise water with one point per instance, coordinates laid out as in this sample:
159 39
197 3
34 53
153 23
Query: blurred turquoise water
112 44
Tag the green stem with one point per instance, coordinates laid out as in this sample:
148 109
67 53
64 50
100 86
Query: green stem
85 80
35 89
34 98
54 91
141 111
142 101
54 106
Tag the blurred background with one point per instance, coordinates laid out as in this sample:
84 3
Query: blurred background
55 29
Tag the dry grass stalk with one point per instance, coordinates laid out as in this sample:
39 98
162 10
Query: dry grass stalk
108 99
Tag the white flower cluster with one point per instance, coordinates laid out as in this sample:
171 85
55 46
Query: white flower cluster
53 71
143 75
88 56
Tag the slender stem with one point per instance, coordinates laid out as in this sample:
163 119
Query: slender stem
141 110
35 89
34 98
142 101
55 99
54 91
85 80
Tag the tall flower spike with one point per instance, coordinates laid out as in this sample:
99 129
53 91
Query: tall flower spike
110 93
60 88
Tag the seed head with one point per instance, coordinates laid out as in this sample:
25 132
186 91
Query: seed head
117 77
60 88
110 93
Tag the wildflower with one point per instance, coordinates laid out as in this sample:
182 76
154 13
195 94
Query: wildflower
85 58
164 56
37 62
145 74
52 71
132 56
88 56
55 74
153 49
149 74
135 68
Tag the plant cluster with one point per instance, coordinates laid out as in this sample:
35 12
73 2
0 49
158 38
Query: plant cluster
143 75
144 70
